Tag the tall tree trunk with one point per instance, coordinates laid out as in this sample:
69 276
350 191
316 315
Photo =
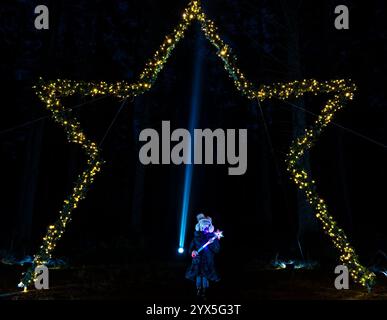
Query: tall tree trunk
265 184
342 165
22 231
139 180
307 223
341 160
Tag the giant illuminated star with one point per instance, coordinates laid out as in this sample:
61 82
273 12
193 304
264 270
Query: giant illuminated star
341 91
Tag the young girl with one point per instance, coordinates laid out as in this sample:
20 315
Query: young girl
202 269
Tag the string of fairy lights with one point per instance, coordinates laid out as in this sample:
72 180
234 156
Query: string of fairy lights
52 92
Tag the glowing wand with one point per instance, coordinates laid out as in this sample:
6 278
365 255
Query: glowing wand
218 234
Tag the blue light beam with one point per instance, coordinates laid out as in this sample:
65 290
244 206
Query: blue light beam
194 114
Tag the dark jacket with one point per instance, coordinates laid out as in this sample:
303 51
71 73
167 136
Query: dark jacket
203 264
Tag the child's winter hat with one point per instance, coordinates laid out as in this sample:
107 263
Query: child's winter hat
204 222
200 216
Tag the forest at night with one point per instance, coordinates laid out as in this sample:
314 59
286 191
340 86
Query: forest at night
85 96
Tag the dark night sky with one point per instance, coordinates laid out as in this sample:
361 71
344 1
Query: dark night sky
111 40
